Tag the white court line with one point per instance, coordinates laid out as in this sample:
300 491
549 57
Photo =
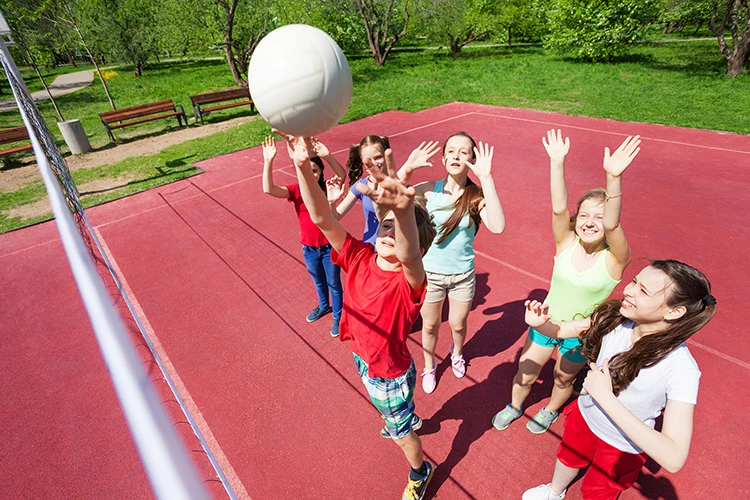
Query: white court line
29 248
216 449
511 266
614 133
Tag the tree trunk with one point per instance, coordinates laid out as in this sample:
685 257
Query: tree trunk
700 25
738 56
44 84
72 21
71 59
138 69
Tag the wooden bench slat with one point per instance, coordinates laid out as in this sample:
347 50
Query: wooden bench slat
15 150
144 120
231 105
242 93
125 117
224 95
13 135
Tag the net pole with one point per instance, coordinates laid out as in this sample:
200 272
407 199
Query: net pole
168 466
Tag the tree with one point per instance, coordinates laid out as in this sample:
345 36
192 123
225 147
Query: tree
594 30
676 14
456 22
243 28
516 17
736 17
125 28
386 22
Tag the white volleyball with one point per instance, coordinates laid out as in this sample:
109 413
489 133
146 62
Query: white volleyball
300 80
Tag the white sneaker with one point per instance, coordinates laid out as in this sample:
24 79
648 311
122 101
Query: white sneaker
542 492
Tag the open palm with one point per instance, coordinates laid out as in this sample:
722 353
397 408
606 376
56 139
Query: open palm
482 166
616 163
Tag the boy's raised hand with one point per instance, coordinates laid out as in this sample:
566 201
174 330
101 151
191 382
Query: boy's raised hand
389 192
320 148
269 148
482 166
616 163
299 148
537 313
335 188
556 148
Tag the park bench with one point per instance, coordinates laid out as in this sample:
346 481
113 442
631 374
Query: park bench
12 135
199 100
134 115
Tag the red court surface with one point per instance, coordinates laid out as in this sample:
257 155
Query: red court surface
216 269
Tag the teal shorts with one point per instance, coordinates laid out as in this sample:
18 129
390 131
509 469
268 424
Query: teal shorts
568 348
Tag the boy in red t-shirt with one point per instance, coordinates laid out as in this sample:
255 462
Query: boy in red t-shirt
383 295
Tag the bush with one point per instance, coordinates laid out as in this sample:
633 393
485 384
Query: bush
596 30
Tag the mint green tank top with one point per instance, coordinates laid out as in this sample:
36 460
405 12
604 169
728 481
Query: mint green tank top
456 254
574 295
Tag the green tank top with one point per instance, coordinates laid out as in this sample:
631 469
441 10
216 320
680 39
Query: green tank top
574 295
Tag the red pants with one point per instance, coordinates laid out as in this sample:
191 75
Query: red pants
612 471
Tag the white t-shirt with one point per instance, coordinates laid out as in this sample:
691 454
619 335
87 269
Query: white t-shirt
674 377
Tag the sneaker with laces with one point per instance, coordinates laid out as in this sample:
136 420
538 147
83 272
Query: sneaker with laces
335 327
416 423
458 364
317 313
415 489
505 417
429 380
541 421
542 492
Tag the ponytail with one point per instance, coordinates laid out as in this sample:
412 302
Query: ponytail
354 162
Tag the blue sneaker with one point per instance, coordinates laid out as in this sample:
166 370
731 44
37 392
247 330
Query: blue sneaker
317 313
335 327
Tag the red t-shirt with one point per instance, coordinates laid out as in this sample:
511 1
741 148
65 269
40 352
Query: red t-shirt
380 307
309 233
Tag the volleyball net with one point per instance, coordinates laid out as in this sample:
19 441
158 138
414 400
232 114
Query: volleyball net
170 467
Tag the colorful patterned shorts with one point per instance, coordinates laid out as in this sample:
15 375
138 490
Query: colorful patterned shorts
393 397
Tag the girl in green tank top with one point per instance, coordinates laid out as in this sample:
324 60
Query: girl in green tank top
591 256
458 206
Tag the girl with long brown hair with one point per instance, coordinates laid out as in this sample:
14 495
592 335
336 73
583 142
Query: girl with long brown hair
640 367
591 255
458 206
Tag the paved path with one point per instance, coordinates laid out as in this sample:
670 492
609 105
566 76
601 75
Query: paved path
63 84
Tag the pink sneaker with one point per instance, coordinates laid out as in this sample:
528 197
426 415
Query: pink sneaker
458 364
429 382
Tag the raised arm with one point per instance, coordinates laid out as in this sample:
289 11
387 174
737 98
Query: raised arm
419 158
557 149
670 447
492 211
322 151
269 153
315 200
397 196
614 166
342 208
537 316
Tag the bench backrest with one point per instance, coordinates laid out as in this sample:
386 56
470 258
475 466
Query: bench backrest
136 111
222 95
14 134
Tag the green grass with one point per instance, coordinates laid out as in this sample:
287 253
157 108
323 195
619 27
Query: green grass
680 83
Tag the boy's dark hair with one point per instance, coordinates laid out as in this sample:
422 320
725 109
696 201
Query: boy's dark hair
689 288
321 179
425 225
354 163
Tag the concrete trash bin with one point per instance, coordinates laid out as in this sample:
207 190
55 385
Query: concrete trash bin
74 136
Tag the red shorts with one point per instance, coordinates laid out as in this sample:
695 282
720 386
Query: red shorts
612 471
